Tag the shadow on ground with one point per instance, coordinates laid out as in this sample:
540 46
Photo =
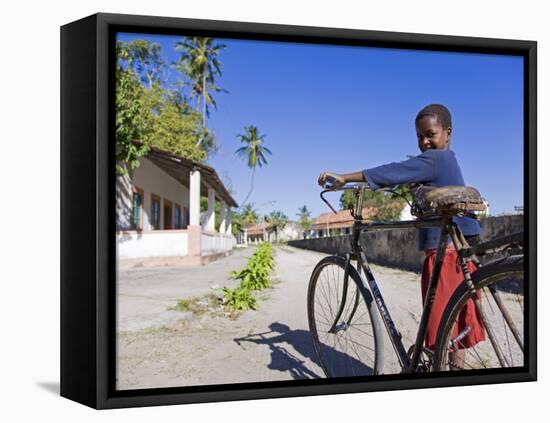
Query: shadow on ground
281 335
51 387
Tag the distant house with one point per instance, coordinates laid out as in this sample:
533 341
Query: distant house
264 231
158 213
292 230
330 224
257 232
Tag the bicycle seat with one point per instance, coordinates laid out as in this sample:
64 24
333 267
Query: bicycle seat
450 199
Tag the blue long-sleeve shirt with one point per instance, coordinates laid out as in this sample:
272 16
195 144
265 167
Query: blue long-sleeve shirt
436 168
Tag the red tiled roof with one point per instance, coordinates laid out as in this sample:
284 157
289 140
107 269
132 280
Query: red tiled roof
258 228
342 219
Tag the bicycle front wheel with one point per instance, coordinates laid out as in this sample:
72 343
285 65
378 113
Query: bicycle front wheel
501 287
343 322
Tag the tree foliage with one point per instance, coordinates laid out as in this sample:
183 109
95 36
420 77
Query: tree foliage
253 152
246 216
199 62
388 206
278 220
144 59
150 114
133 122
305 217
177 132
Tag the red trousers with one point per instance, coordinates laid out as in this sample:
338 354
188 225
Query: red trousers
451 276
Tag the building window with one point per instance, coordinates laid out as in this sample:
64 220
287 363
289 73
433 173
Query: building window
137 209
185 218
155 212
177 216
167 209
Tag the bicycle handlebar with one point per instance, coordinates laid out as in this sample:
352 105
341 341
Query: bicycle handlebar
343 188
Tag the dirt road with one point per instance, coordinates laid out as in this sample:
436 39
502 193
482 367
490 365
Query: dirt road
158 347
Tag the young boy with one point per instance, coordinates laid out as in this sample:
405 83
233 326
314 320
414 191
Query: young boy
436 166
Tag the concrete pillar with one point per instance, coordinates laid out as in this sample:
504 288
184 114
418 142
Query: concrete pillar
194 232
211 214
245 238
229 220
194 197
223 217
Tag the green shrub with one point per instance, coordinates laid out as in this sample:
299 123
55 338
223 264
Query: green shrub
238 299
183 305
254 277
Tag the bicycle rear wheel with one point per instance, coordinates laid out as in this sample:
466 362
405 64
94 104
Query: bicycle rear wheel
350 345
501 286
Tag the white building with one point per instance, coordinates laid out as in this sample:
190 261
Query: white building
158 213
292 230
264 231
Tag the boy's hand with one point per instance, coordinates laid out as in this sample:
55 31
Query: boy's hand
336 180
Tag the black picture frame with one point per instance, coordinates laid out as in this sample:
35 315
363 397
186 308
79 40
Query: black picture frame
88 262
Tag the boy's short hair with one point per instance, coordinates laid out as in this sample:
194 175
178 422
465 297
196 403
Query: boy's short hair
439 111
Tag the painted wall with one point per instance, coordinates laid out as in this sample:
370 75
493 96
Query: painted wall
216 243
151 179
399 247
292 230
134 244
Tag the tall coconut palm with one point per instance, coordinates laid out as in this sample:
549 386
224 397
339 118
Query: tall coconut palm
305 220
199 62
253 151
249 214
278 220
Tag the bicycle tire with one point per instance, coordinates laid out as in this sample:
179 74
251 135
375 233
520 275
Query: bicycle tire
339 355
505 277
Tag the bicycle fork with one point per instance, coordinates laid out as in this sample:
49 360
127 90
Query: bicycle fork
344 325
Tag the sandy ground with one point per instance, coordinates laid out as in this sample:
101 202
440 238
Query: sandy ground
158 347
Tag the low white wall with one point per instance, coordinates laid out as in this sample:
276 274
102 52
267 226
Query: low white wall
216 243
152 244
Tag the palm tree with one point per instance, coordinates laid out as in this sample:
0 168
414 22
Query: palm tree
253 152
278 220
199 62
305 220
249 214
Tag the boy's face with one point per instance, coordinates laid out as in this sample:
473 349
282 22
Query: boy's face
431 135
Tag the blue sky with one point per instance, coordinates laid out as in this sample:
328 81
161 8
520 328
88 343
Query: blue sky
343 109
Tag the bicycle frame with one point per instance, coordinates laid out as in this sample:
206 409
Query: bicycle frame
447 229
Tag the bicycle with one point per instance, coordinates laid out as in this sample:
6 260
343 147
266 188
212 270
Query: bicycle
346 319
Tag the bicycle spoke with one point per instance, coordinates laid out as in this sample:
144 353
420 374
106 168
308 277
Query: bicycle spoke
502 324
362 345
368 334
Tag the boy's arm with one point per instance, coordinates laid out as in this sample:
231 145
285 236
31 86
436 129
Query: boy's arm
416 169
341 179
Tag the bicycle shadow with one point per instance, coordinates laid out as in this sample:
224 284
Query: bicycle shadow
300 340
